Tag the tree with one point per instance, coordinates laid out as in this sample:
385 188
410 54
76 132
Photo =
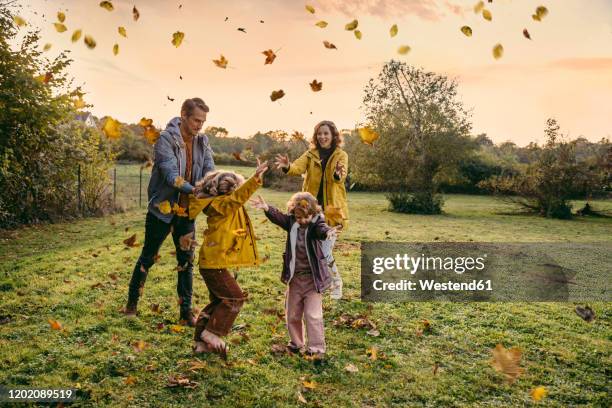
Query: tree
424 134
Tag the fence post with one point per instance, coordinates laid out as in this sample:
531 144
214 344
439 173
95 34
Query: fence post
140 189
79 189
115 187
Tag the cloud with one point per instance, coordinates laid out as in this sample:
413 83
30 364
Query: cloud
582 64
425 9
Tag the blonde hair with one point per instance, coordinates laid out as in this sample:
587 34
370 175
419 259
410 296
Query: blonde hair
303 204
219 183
336 136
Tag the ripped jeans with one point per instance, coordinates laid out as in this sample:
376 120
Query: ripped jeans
226 300
156 232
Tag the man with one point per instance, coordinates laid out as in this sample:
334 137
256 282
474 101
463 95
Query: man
181 157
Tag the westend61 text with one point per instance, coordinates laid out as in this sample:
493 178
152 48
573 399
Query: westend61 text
429 285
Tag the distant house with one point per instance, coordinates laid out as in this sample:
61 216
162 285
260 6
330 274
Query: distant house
87 118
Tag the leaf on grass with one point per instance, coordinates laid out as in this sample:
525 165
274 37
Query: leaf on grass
59 27
351 26
368 135
177 38
301 398
393 30
321 24
107 5
275 95
139 346
351 368
129 380
316 86
467 30
197 365
89 42
372 353
310 9
55 325
373 332
538 393
270 56
221 62
175 328
507 362
76 35
403 50
135 13
131 241
329 45
498 51
180 381
311 385
122 31
111 128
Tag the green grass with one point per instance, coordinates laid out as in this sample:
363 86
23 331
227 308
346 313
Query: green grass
48 271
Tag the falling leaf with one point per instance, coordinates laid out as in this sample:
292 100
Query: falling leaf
55 325
59 27
478 7
368 135
47 47
467 30
270 56
586 313
21 22
351 26
122 31
165 207
310 8
372 353
115 49
151 134
498 51
242 29
89 42
107 5
329 45
393 30
358 34
311 385
131 241
221 62
135 13
351 368
538 393
403 50
139 346
507 362
76 36
316 86
277 95
486 14
526 34
61 17
111 127
238 157
177 38
321 24
540 13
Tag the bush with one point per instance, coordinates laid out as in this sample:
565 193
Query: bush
415 203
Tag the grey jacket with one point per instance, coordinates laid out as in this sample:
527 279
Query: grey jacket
170 161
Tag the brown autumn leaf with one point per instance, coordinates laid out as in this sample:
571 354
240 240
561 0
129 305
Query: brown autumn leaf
47 47
479 7
107 5
321 24
135 13
277 95
55 325
122 31
311 385
76 35
179 380
61 16
20 22
316 86
507 362
372 353
221 62
310 9
177 38
351 26
526 34
486 14
59 27
115 49
139 346
358 34
129 380
131 241
329 45
270 56
238 157
403 49
155 308
498 51
89 42
467 30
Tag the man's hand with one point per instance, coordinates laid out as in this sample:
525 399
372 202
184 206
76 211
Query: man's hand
259 203
282 161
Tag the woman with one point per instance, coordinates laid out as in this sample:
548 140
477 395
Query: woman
325 167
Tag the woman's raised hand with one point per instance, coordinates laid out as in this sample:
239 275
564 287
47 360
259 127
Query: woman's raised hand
282 161
261 168
259 203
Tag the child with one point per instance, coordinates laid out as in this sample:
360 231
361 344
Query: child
305 268
229 241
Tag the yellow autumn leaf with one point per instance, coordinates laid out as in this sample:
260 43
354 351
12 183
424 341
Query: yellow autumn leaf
368 135
19 21
55 325
111 128
541 12
393 30
321 24
78 103
221 62
358 34
404 49
478 7
165 207
486 14
139 346
89 42
129 380
310 9
47 47
498 51
351 26
329 45
144 122
467 30
122 31
309 384
177 38
507 362
372 353
61 17
116 49
76 36
175 328
538 393
59 27
107 5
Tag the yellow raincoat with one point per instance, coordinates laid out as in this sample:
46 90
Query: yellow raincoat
334 192
229 239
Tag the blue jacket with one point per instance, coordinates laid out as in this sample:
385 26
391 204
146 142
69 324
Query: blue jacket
170 161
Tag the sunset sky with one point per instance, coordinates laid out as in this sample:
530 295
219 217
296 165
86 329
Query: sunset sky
564 72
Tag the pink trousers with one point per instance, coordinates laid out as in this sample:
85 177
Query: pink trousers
303 305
